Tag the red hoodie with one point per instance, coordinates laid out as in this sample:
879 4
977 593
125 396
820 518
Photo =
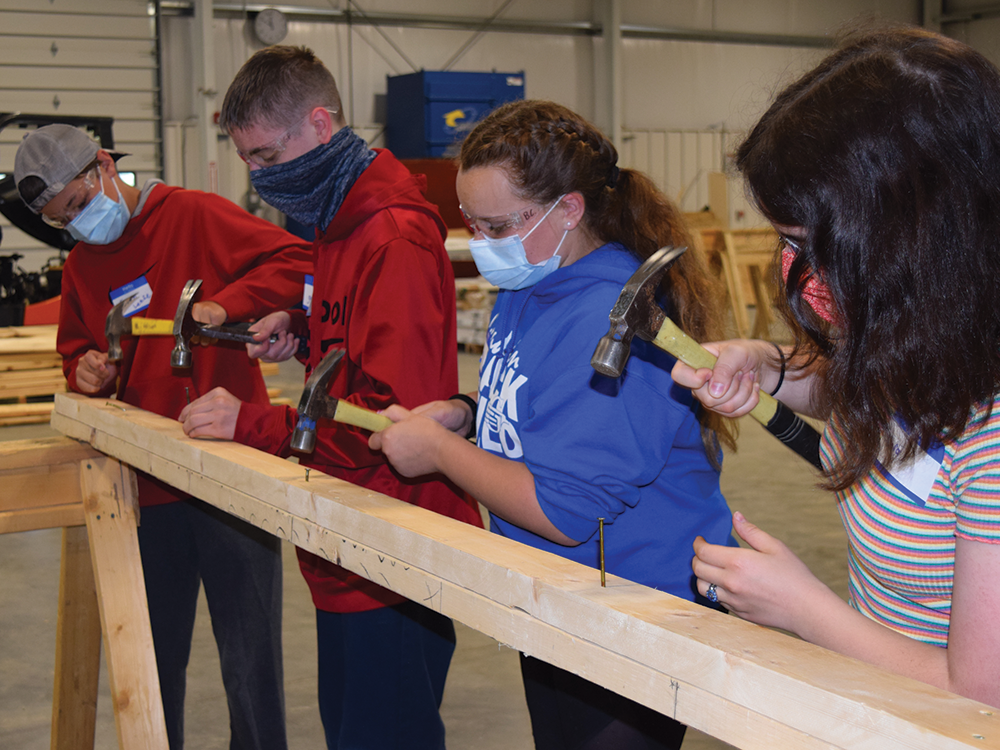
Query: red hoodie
248 265
385 292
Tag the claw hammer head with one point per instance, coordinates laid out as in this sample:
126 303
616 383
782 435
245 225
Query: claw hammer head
184 326
115 326
315 401
635 312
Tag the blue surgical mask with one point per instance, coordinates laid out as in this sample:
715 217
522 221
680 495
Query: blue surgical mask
102 221
504 263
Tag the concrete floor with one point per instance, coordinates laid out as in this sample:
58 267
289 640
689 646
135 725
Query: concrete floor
484 704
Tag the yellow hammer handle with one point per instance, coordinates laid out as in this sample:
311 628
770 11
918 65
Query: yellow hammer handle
673 340
348 413
152 327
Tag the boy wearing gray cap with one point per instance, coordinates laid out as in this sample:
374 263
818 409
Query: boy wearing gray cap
147 243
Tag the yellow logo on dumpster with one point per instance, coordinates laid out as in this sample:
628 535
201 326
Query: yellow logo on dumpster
451 118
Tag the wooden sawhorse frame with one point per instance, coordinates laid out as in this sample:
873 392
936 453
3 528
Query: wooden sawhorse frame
59 482
738 251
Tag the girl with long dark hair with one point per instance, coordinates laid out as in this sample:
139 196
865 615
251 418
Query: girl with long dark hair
880 170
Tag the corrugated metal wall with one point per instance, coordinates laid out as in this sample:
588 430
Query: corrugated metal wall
79 57
679 162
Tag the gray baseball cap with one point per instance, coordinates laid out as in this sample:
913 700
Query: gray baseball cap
48 159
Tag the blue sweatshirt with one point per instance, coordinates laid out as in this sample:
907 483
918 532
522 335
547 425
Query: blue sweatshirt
628 449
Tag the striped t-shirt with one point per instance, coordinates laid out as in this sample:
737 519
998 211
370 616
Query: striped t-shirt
902 523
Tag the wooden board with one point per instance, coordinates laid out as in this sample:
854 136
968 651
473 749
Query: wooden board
78 647
41 481
746 685
20 339
29 367
34 413
111 509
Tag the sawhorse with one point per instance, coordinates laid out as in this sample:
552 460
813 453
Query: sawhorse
59 482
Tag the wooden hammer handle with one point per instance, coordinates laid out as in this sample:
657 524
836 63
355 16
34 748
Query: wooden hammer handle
348 413
673 340
777 418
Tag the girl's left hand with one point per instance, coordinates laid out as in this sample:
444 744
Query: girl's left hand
412 444
766 584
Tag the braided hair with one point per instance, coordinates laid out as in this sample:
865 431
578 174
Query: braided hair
547 151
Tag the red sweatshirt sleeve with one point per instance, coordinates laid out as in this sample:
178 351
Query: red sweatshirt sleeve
264 266
74 337
399 347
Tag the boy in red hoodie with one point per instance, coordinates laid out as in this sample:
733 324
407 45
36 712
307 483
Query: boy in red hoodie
147 243
384 292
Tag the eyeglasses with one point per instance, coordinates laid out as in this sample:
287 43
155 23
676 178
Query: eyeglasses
497 226
267 155
792 245
74 205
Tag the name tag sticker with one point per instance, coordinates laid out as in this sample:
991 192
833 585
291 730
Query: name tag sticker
916 477
307 294
141 293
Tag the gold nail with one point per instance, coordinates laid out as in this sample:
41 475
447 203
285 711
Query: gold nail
117 406
187 393
600 547
307 473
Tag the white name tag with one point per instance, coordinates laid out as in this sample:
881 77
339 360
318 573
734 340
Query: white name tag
307 295
917 476
141 294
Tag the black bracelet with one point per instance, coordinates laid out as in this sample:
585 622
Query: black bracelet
781 375
472 405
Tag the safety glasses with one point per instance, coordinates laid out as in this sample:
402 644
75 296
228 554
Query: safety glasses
267 155
77 203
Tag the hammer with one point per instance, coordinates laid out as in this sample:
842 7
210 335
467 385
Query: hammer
637 313
316 403
182 328
185 327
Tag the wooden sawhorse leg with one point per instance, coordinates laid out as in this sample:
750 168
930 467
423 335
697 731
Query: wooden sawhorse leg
78 647
111 511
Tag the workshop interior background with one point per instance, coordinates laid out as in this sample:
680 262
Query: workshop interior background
687 76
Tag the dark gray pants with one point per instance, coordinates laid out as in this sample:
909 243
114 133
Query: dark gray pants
184 544
571 713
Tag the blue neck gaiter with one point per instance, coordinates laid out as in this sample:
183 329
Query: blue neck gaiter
311 187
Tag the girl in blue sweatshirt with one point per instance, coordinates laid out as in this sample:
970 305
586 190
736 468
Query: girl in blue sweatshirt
560 229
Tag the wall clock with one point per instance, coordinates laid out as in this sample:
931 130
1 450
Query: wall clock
270 26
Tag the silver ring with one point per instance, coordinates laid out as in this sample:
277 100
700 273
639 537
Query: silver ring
711 595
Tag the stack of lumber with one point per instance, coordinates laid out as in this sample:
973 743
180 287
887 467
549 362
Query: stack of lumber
29 367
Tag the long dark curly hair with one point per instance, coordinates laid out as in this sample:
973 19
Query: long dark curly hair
887 155
547 151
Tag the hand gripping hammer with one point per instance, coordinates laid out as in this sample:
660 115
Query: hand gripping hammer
316 403
637 313
182 328
185 327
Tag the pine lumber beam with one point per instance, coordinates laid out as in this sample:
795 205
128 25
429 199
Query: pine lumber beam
36 413
749 686
20 339
30 361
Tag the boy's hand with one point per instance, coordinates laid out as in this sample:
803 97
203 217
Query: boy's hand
208 313
283 348
94 373
213 415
